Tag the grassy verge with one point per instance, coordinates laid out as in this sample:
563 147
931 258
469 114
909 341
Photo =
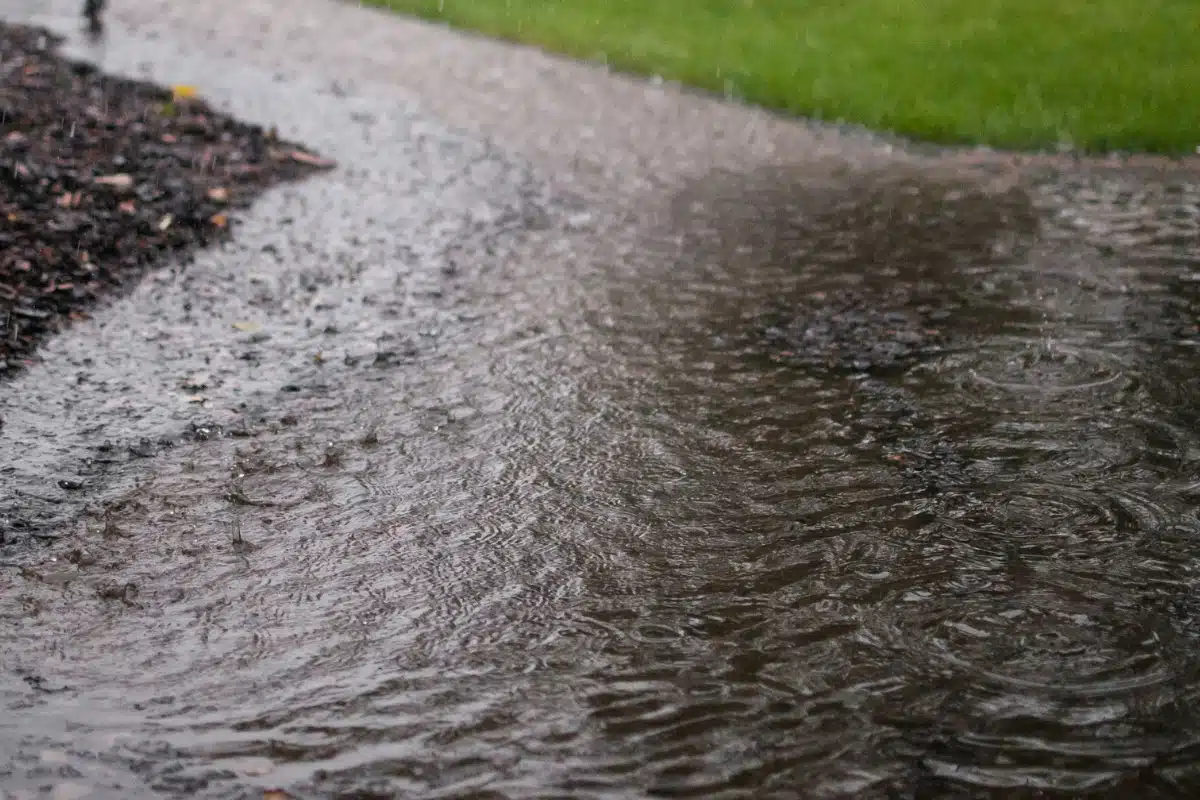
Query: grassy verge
1092 74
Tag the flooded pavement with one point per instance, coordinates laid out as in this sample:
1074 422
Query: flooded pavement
526 486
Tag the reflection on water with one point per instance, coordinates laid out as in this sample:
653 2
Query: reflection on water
606 545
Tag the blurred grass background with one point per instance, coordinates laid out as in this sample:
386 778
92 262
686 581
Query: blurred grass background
1093 75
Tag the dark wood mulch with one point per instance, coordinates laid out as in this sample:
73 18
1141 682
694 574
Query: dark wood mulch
103 178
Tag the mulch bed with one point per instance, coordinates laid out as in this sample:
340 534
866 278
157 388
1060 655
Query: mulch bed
103 178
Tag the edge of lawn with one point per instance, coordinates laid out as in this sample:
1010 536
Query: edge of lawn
1176 146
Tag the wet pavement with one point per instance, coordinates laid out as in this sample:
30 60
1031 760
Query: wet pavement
472 469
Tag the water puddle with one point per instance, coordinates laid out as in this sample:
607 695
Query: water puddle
621 540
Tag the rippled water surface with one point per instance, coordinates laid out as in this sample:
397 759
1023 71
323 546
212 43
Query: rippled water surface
608 541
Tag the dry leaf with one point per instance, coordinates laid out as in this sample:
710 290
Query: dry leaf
219 220
276 794
181 91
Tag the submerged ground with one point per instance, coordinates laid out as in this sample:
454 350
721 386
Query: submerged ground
582 437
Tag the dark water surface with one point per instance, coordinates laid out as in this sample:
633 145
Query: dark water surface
608 542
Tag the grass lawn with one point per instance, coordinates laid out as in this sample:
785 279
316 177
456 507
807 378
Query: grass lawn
1095 74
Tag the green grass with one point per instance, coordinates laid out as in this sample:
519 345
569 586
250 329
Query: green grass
1096 75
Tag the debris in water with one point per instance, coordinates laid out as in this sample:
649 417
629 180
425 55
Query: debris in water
239 543
853 332
111 590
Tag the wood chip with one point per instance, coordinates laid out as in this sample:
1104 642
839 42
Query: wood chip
301 157
120 182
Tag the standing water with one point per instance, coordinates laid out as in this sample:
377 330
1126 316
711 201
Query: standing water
778 483
620 541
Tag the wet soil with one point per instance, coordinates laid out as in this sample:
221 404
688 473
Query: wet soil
104 178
